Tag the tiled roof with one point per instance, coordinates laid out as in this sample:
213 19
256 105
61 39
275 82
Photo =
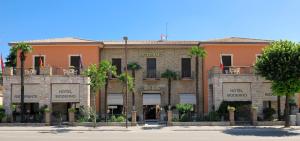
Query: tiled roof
151 42
58 40
237 40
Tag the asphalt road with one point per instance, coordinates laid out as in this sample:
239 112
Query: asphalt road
153 135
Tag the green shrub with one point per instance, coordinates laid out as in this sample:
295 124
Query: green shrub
184 108
268 113
120 118
2 113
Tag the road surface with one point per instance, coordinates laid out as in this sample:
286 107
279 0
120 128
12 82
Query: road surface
152 134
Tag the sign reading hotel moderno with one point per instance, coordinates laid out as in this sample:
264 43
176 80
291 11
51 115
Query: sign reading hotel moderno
236 92
65 92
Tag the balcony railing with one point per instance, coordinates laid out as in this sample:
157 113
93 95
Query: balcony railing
44 71
186 75
232 70
151 74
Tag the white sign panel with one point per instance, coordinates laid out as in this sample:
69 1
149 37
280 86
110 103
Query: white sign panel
267 92
236 92
32 93
65 92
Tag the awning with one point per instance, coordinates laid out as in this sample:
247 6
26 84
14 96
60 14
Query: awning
187 99
115 99
151 99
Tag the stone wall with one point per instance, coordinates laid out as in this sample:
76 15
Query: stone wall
43 88
260 90
167 57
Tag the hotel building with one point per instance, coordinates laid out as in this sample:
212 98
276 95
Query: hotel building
60 85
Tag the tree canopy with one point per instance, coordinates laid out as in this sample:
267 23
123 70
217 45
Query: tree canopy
134 66
169 74
24 47
99 74
280 63
130 84
198 52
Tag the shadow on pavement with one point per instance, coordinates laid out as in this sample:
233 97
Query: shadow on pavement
263 132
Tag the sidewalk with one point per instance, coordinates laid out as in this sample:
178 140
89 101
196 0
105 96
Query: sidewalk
144 128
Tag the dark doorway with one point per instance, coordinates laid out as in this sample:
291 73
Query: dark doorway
150 112
60 112
227 62
39 62
75 61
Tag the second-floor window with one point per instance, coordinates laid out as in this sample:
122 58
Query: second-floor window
39 62
185 67
117 62
151 67
75 62
227 62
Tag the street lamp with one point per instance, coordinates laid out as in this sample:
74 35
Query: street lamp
125 38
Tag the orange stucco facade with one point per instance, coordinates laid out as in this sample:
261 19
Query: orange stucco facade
57 56
242 55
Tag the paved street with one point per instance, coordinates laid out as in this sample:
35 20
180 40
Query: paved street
148 134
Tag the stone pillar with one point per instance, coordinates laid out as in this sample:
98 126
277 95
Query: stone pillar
133 118
231 116
170 116
71 117
254 116
292 120
298 119
47 118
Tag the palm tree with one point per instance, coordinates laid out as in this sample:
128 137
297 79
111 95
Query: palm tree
130 86
197 52
107 69
24 48
133 67
97 80
170 75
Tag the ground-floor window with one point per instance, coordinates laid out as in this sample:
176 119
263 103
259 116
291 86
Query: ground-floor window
115 110
32 112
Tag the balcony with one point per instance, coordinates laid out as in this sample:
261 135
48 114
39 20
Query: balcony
151 75
47 71
233 70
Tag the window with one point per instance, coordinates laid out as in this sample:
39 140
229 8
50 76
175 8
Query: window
151 67
227 62
185 67
117 62
75 61
39 61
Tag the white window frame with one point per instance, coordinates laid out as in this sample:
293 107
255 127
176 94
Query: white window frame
33 57
231 55
71 55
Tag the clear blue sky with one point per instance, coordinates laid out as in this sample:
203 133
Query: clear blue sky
146 19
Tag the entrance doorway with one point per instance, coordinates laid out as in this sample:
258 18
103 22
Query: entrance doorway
151 112
60 112
151 106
